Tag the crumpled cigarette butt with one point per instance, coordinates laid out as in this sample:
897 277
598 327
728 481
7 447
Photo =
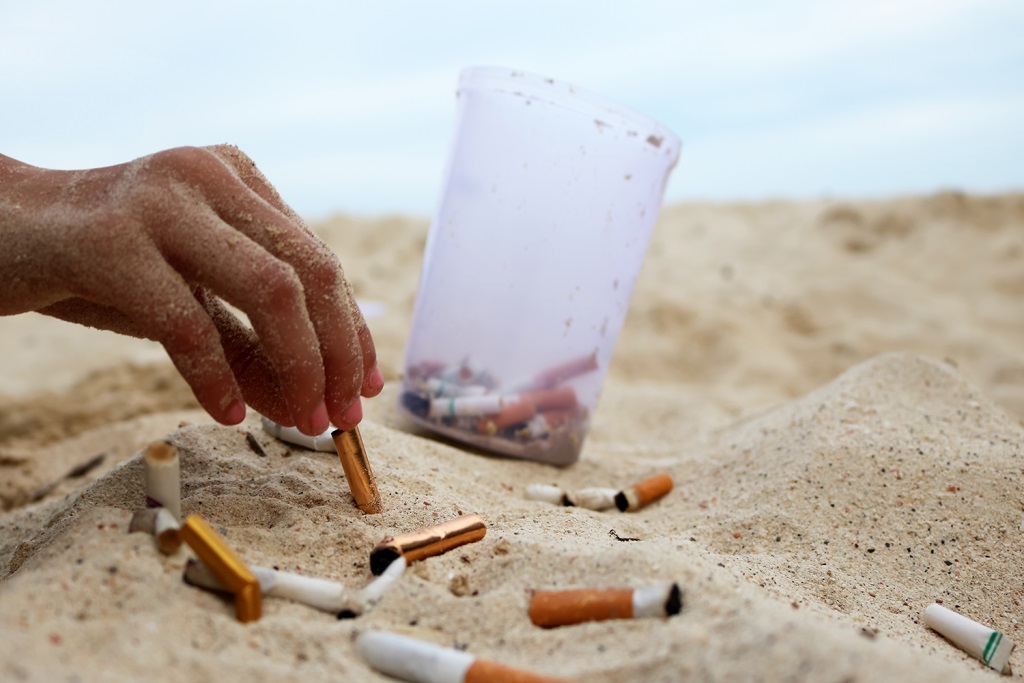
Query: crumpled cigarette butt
161 524
229 569
320 442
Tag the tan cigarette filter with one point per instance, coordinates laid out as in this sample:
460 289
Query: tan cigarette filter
560 398
561 608
357 470
163 477
427 542
225 565
643 494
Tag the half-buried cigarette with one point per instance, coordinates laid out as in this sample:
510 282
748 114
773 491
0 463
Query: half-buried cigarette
367 598
163 477
321 594
977 640
561 608
357 470
229 570
418 661
428 542
643 494
320 442
161 524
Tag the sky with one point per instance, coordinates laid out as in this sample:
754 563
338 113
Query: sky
350 107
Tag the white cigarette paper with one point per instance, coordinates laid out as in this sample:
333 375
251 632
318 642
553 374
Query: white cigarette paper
593 498
321 442
367 598
161 524
411 659
469 406
653 601
321 594
545 492
978 640
163 477
442 389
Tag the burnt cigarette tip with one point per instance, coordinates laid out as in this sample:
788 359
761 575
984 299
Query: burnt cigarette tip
382 557
674 603
621 502
347 614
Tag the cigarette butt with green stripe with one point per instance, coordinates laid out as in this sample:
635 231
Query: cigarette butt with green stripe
987 644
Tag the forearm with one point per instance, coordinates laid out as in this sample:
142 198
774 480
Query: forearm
29 224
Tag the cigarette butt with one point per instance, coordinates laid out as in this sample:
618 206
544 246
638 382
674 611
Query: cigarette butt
163 477
977 640
225 565
357 470
560 373
468 406
592 498
161 524
643 494
547 493
549 609
439 388
418 661
427 542
320 442
328 596
367 598
510 414
560 398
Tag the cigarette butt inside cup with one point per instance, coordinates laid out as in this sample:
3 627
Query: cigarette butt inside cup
227 567
357 470
511 414
559 398
644 493
565 371
427 542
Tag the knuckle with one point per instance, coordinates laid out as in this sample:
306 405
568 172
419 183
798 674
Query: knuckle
282 288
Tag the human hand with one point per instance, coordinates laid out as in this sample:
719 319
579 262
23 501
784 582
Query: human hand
150 248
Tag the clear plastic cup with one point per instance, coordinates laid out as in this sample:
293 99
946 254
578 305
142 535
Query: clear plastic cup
549 199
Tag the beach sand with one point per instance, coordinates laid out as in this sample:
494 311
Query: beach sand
836 387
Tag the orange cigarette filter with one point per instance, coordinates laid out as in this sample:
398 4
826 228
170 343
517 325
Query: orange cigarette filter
561 608
643 494
514 413
357 470
427 542
560 398
485 671
225 565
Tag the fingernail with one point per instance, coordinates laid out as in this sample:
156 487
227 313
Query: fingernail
375 381
353 414
235 413
319 421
